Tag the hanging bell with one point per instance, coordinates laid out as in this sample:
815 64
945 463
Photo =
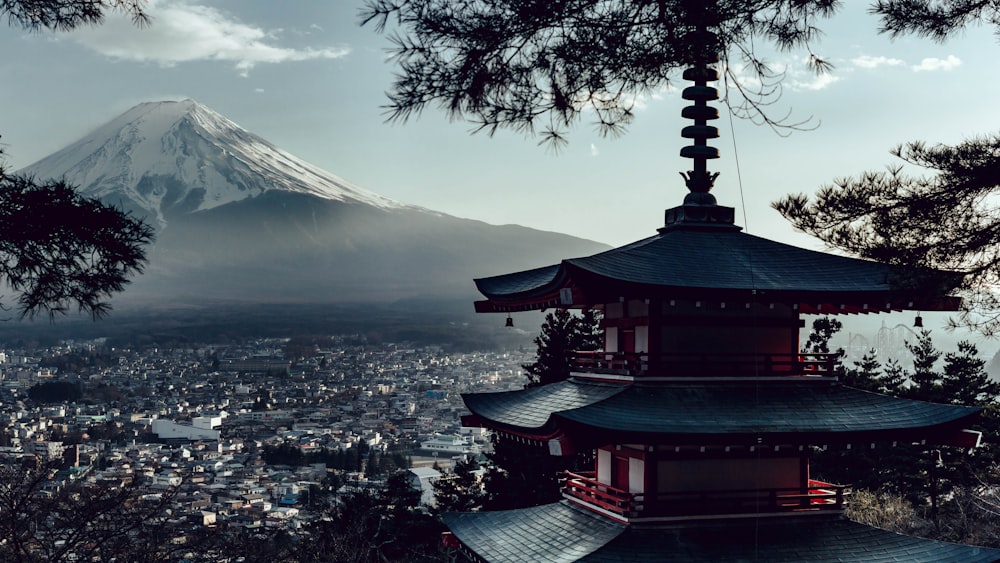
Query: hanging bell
918 322
509 323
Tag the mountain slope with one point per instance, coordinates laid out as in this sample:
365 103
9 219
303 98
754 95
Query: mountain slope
161 159
241 220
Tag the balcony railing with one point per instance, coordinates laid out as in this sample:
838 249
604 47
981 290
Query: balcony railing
817 496
705 365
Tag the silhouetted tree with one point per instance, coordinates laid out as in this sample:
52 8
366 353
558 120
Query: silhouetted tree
59 249
823 329
371 526
461 490
536 66
55 392
64 15
946 220
964 380
925 380
937 19
866 374
520 475
561 333
42 520
893 378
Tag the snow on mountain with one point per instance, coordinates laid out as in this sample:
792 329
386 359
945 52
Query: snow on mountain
162 158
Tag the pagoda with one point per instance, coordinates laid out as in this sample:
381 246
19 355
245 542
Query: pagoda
701 410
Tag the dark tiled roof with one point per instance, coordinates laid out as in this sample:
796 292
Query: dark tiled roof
530 408
520 283
733 260
719 409
766 408
556 532
813 539
561 532
706 260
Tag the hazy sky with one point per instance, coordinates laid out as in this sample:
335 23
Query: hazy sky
305 76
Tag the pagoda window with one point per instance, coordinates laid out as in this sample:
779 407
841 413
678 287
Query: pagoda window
642 338
603 462
611 339
621 468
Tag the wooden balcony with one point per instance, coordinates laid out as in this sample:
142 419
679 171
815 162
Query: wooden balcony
705 365
818 496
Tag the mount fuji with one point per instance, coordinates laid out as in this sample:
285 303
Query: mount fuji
241 220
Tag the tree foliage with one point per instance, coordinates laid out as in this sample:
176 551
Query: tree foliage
55 392
562 332
937 19
371 526
521 475
54 15
535 66
59 249
944 493
823 330
946 220
87 522
461 490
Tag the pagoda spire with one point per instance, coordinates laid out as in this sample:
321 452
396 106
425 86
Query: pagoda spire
700 181
700 208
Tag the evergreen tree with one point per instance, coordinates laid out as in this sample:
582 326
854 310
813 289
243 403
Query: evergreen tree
64 15
536 65
964 380
562 333
937 19
866 374
58 249
946 220
925 381
371 526
520 475
893 379
823 330
459 491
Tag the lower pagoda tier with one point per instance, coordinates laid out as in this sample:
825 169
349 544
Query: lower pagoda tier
579 414
564 532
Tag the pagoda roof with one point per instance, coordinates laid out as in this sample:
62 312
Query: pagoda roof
564 532
705 262
595 412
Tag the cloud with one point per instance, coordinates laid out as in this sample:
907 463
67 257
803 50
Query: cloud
593 150
799 81
933 64
870 62
183 32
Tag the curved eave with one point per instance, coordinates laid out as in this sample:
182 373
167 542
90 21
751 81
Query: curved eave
563 532
527 412
812 413
726 265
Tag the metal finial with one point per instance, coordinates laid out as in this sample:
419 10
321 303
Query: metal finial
700 181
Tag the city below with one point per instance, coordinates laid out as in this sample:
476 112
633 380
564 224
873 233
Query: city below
210 417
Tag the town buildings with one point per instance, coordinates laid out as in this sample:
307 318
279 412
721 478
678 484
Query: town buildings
179 417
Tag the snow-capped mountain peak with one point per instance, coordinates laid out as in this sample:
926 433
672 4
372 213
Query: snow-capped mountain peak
163 158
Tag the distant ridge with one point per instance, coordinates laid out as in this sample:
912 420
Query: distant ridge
241 220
